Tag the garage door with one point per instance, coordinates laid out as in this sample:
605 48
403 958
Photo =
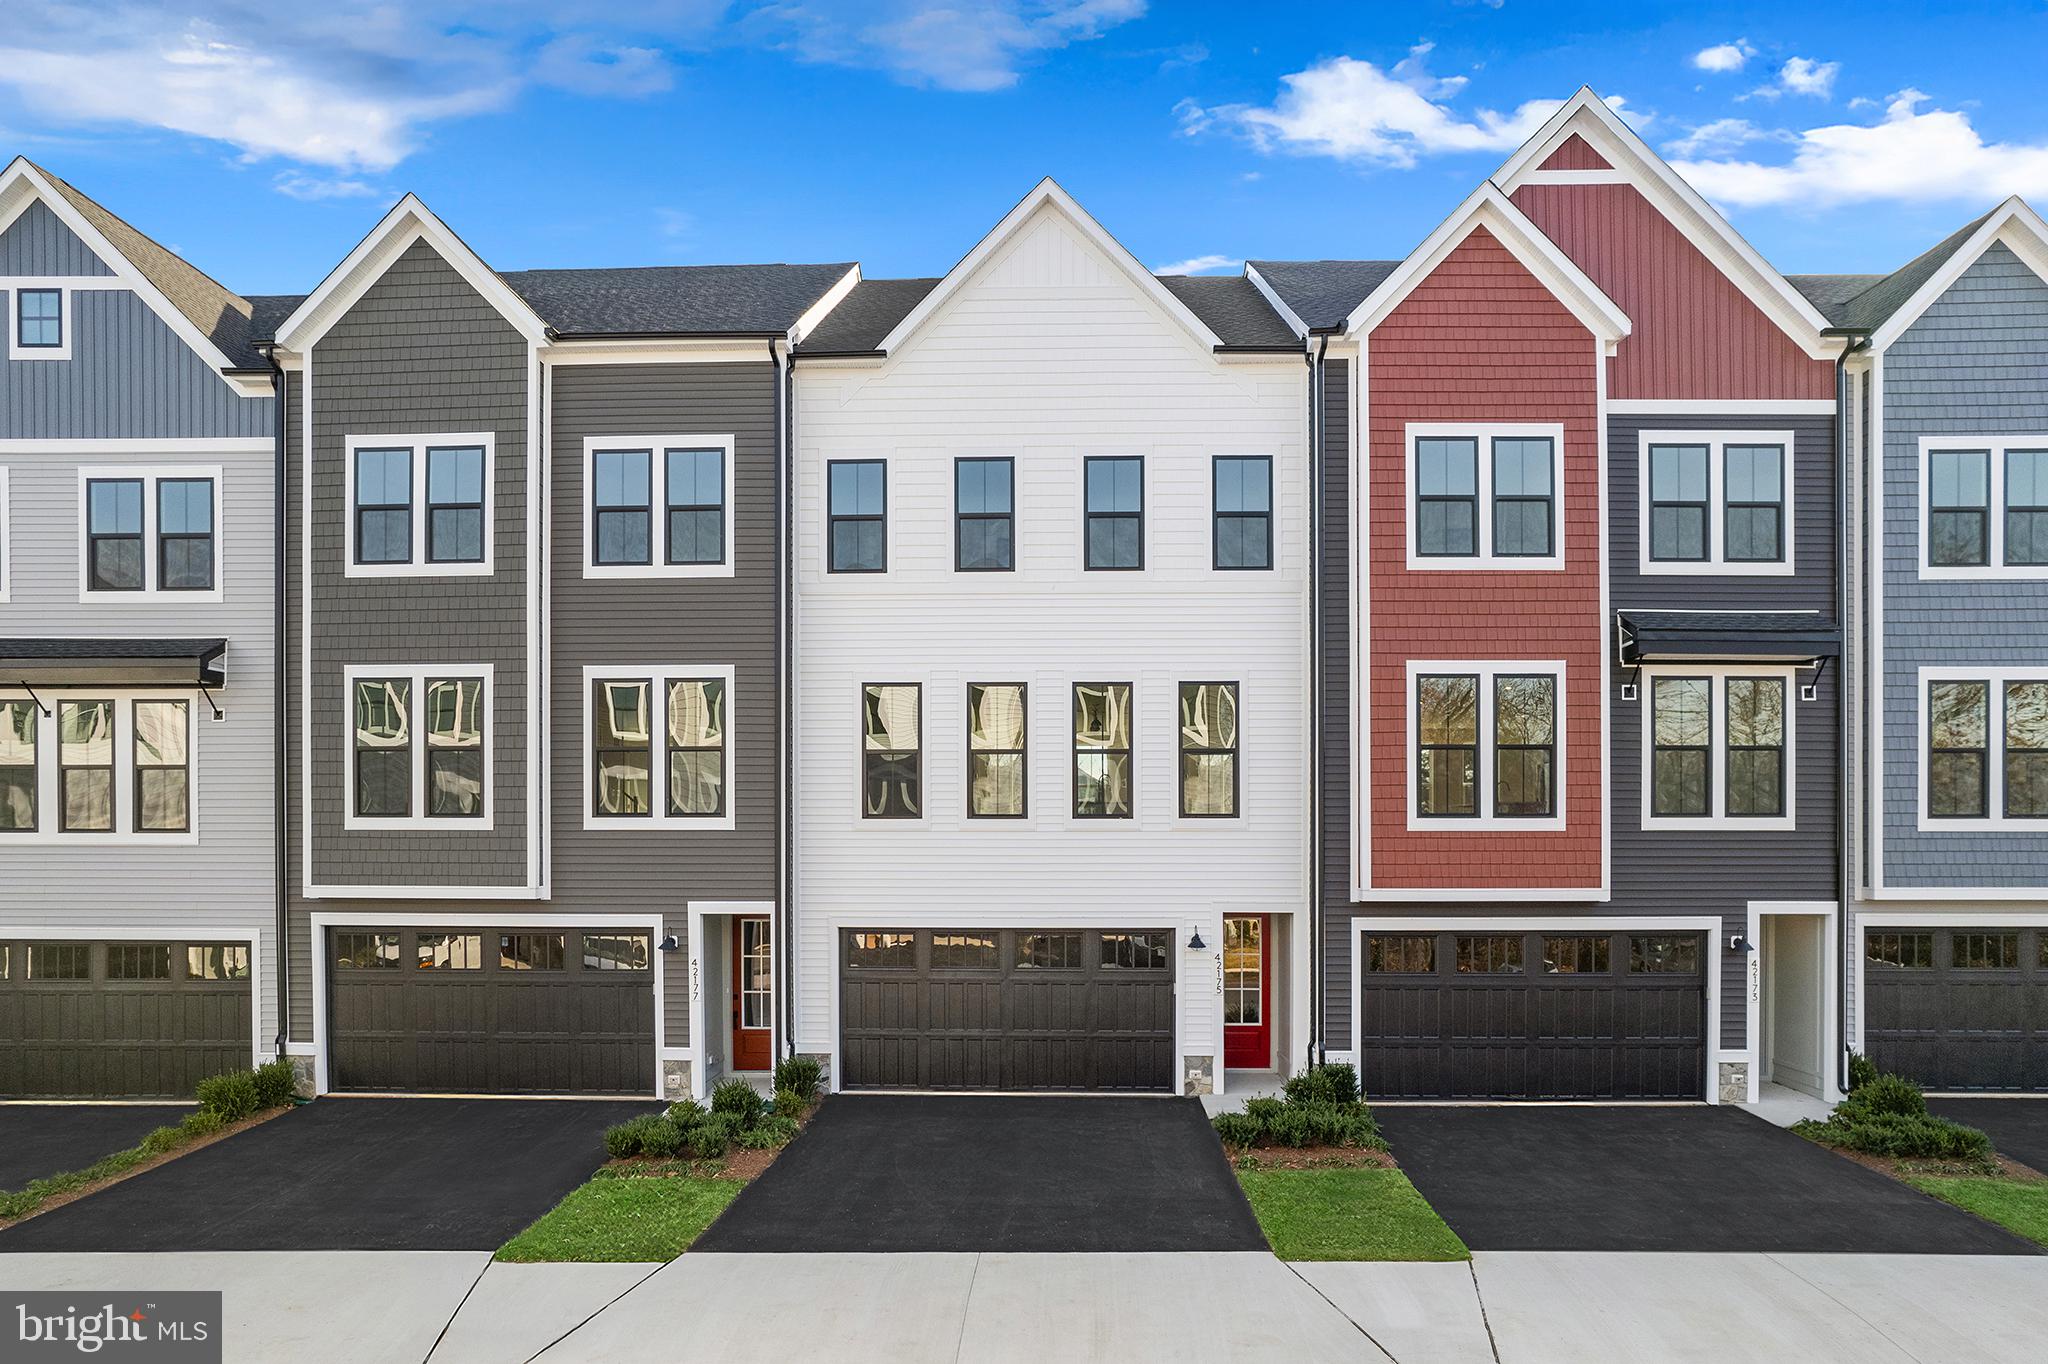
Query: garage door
1533 1016
491 1011
1018 1009
120 1020
1958 1008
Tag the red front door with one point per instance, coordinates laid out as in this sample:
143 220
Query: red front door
753 994
1247 993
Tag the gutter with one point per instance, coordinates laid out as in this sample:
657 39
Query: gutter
1846 844
280 701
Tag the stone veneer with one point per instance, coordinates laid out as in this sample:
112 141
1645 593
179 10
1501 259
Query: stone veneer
1200 1075
1735 1082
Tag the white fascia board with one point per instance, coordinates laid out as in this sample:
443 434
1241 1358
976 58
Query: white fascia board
408 221
2013 222
1047 193
1489 208
1272 296
1586 114
822 309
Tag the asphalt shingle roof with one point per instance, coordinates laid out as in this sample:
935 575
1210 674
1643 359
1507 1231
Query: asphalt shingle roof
1851 308
675 300
1234 309
866 316
1323 293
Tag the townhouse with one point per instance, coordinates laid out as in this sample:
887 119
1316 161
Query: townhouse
138 919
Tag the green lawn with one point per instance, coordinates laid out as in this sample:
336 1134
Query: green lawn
1348 1214
2018 1207
624 1218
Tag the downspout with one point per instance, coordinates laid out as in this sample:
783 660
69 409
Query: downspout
1845 850
1318 455
281 384
785 629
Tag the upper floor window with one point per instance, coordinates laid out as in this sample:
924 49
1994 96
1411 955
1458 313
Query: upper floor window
112 765
1243 494
1103 776
996 724
892 757
1984 507
39 331
150 531
984 508
1208 750
657 506
1485 496
1718 750
660 746
1488 744
419 504
1115 511
857 516
1985 741
417 747
1715 499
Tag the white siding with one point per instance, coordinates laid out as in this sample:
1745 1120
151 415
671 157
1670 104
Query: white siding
1049 355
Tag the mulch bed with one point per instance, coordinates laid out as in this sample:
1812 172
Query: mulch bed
1903 1169
1310 1158
740 1162
55 1201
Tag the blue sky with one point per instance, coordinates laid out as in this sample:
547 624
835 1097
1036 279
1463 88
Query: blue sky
262 144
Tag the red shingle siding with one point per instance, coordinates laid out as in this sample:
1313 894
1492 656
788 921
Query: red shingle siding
1481 339
1696 335
1574 153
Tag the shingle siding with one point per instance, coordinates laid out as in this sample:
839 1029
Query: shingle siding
1336 727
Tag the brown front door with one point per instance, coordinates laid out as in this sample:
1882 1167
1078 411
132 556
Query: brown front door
753 994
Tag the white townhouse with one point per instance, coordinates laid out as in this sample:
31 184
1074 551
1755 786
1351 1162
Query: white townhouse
1051 573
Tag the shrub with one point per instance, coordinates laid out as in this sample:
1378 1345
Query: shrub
1263 1110
234 1095
276 1086
1339 1125
1333 1084
708 1142
1862 1070
770 1132
736 1096
1887 1094
631 1137
161 1140
800 1073
686 1114
202 1122
1902 1136
660 1137
791 1104
1239 1129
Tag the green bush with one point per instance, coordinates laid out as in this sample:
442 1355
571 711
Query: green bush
800 1073
1887 1095
1321 1108
1862 1070
1263 1110
772 1131
1333 1084
1239 1129
791 1104
708 1142
161 1140
1901 1136
234 1095
737 1097
202 1122
631 1137
687 1113
276 1086
660 1137
1291 1127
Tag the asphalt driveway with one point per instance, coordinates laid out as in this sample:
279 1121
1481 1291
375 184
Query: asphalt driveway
2018 1127
1693 1178
349 1174
890 1172
39 1140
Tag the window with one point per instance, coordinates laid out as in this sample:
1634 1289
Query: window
1136 951
147 531
59 961
995 750
1524 745
138 961
532 952
123 769
1049 951
1115 516
617 952
1493 955
1102 751
85 765
2026 750
366 951
887 951
1984 951
660 747
1663 955
449 952
621 512
163 773
39 320
984 511
1719 499
696 506
892 761
184 545
1958 733
1718 750
113 534
627 478
455 504
1404 954
857 517
217 961
436 770
420 505
1575 956
963 952
1447 753
1984 507
1905 951
1984 734
1484 496
1208 750
18 783
1487 744
1243 486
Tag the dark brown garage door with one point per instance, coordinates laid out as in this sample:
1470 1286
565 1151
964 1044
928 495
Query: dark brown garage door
1958 1008
492 1011
1533 1016
1020 1009
120 1020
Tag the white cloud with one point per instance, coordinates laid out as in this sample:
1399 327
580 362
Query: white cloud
1908 157
970 45
299 185
1724 57
1718 138
1805 76
582 63
1198 265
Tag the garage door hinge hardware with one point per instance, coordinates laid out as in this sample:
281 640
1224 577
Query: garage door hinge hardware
37 699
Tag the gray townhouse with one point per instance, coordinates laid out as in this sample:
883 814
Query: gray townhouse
1946 969
534 586
138 849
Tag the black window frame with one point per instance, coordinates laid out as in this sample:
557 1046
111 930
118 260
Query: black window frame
1981 511
1218 516
1549 749
889 940
184 769
356 512
1892 950
65 770
2036 510
358 747
984 517
599 510
1089 515
835 519
2012 755
1377 955
1981 751
671 746
1127 752
600 703
1729 505
1022 752
1154 944
1665 954
1424 746
670 506
424 732
23 708
1423 500
483 461
875 762
1232 751
1730 748
166 538
1705 750
1971 951
1497 499
138 536
22 319
1031 950
1704 506
1487 954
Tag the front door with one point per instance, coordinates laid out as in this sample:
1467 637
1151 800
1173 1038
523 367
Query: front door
753 971
1247 993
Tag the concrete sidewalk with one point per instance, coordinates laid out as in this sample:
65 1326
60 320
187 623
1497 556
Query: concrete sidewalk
439 1307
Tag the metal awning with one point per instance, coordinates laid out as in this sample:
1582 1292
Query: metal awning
1780 637
104 662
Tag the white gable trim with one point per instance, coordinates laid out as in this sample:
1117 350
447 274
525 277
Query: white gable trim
408 222
2014 223
1272 296
827 301
1047 193
1586 114
1491 209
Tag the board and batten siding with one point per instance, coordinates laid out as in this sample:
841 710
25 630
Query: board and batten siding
1974 364
38 243
1049 354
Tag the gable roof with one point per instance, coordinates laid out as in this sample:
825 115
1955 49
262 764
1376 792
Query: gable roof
1235 310
1894 303
1863 303
865 316
677 300
1322 293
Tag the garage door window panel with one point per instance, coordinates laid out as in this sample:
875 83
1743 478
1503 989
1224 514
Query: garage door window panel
217 961
1661 955
1900 951
1576 956
1208 750
139 961
892 757
449 952
1048 952
996 766
1493 954
532 952
1135 951
366 951
617 952
964 952
59 961
19 726
1985 951
1403 954
882 951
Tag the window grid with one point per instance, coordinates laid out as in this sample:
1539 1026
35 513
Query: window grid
694 487
696 747
1678 503
892 750
383 510
383 748
1525 745
39 319
1446 497
1753 503
114 534
19 734
1208 750
1958 749
1114 519
1958 508
455 504
621 507
1241 488
2026 750
997 764
1447 748
455 748
85 765
857 516
2026 508
163 775
1524 492
1103 744
184 535
622 747
1756 746
984 515
1682 746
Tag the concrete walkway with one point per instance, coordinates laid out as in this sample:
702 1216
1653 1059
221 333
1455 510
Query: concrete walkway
455 1307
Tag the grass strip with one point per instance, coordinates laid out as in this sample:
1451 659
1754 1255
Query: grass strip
1354 1214
619 1219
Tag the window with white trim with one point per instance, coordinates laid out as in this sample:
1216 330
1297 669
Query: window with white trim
97 765
1984 747
1485 495
1486 744
1717 747
149 530
418 746
1715 501
657 506
658 746
39 320
1984 507
420 505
